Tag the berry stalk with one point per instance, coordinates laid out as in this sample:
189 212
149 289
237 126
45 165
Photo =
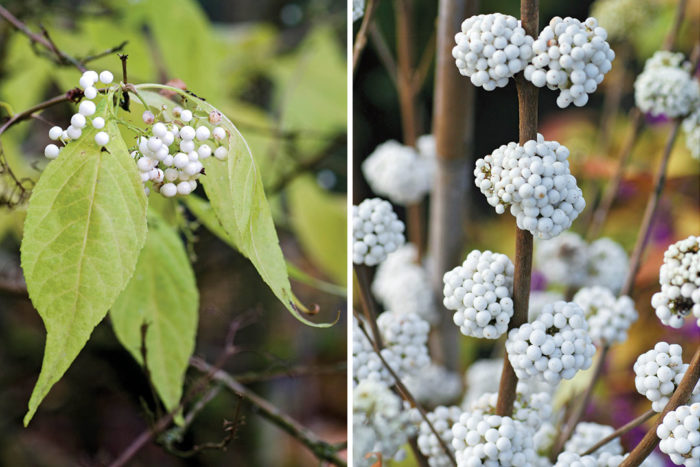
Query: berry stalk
527 113
679 397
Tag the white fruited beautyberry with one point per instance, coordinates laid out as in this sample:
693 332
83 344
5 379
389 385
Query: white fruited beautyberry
679 277
572 57
202 133
480 439
55 132
491 49
214 116
563 259
377 231
658 373
106 77
571 459
587 434
691 128
168 190
186 116
680 435
554 346
607 264
73 132
187 133
534 182
51 151
101 138
78 121
406 336
480 293
87 108
434 385
88 79
397 172
90 92
666 86
608 317
365 362
204 151
221 153
98 123
218 133
442 419
403 285
184 188
539 299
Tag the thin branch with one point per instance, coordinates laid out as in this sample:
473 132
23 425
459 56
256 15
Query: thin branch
426 59
72 95
321 449
369 306
361 37
620 431
406 395
527 130
383 52
104 53
680 396
296 372
416 228
672 35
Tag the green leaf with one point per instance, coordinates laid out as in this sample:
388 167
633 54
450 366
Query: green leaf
85 226
235 190
162 295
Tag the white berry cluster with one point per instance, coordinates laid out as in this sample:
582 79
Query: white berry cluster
666 86
554 346
425 145
376 230
539 299
623 19
535 182
607 264
403 285
658 372
380 423
479 291
691 128
358 9
608 317
442 419
491 440
80 120
563 259
491 49
366 365
481 377
680 435
572 57
398 172
176 141
679 277
434 385
405 335
587 434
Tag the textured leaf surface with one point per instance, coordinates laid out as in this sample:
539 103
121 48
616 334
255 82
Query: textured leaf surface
85 226
162 295
236 194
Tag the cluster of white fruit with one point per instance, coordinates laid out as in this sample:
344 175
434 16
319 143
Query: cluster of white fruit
658 372
535 182
491 49
376 230
492 440
399 172
480 293
79 121
572 57
175 141
540 299
623 19
608 317
366 365
679 277
587 434
554 346
691 128
381 426
442 419
567 260
666 86
680 435
403 285
405 336
434 385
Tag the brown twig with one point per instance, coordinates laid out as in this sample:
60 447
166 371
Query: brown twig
453 129
104 53
385 57
361 37
295 372
527 130
321 449
620 431
415 230
404 60
680 396
672 35
407 396
71 95
369 306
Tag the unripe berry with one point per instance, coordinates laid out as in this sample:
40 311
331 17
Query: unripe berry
148 117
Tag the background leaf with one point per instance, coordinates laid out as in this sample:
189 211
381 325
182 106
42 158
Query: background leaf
85 226
162 294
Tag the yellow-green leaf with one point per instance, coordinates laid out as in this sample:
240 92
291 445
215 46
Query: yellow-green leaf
85 226
162 296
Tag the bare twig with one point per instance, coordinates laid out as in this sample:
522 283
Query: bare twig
404 59
369 306
672 35
321 449
620 431
680 396
361 37
72 95
527 114
104 53
385 57
295 372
